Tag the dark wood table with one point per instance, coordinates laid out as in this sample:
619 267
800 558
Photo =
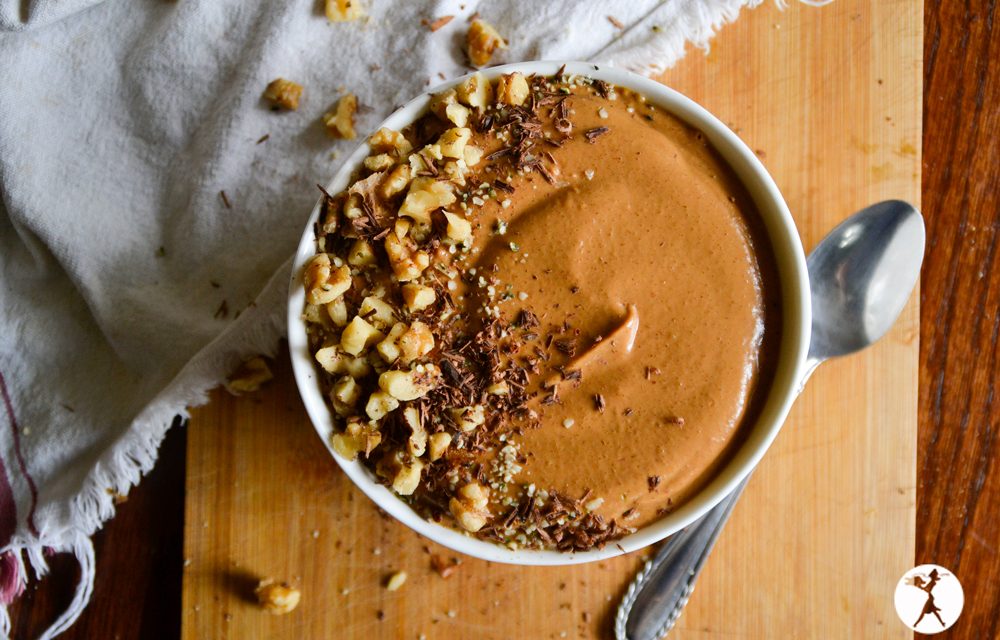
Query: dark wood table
139 553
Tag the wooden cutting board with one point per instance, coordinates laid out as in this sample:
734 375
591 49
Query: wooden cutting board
831 100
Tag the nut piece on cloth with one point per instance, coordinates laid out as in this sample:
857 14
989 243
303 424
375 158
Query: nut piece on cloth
340 121
277 598
343 10
481 41
249 376
283 94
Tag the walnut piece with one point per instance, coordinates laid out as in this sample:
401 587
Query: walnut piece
437 444
426 195
343 10
469 506
386 140
481 41
277 598
283 94
249 376
340 121
323 282
512 89
417 297
405 385
406 261
358 436
475 91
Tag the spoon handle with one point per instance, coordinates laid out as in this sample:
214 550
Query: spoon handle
658 594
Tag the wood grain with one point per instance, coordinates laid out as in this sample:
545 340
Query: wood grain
958 493
830 98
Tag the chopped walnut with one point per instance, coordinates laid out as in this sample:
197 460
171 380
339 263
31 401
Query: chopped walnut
325 283
358 336
481 41
277 598
417 297
438 443
340 121
343 10
386 140
475 91
425 195
512 89
406 261
249 376
358 436
283 94
469 506
405 385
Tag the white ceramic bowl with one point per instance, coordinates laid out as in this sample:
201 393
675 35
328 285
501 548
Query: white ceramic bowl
796 322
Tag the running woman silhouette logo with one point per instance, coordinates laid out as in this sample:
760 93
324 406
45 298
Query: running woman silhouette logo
929 598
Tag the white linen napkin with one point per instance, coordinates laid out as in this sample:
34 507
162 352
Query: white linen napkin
128 285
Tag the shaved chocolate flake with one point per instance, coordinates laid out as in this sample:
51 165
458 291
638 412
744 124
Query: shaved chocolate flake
222 311
225 199
674 420
652 371
593 134
603 88
616 22
628 411
566 346
573 374
484 123
552 398
653 482
599 403
559 72
436 24
527 320
264 138
503 186
506 151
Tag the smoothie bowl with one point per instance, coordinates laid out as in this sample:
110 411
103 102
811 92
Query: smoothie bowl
549 313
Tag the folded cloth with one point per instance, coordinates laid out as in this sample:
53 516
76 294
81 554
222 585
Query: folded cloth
150 201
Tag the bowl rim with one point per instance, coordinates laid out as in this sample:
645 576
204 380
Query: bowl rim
796 325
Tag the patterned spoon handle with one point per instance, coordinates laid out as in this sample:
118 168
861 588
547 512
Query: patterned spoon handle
659 592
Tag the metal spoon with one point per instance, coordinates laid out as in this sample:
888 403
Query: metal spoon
861 275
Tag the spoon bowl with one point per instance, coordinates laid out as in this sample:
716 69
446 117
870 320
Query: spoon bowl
861 275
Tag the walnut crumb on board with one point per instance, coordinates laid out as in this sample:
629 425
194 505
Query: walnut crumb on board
277 598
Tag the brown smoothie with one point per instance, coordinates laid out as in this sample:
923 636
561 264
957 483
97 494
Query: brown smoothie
597 322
